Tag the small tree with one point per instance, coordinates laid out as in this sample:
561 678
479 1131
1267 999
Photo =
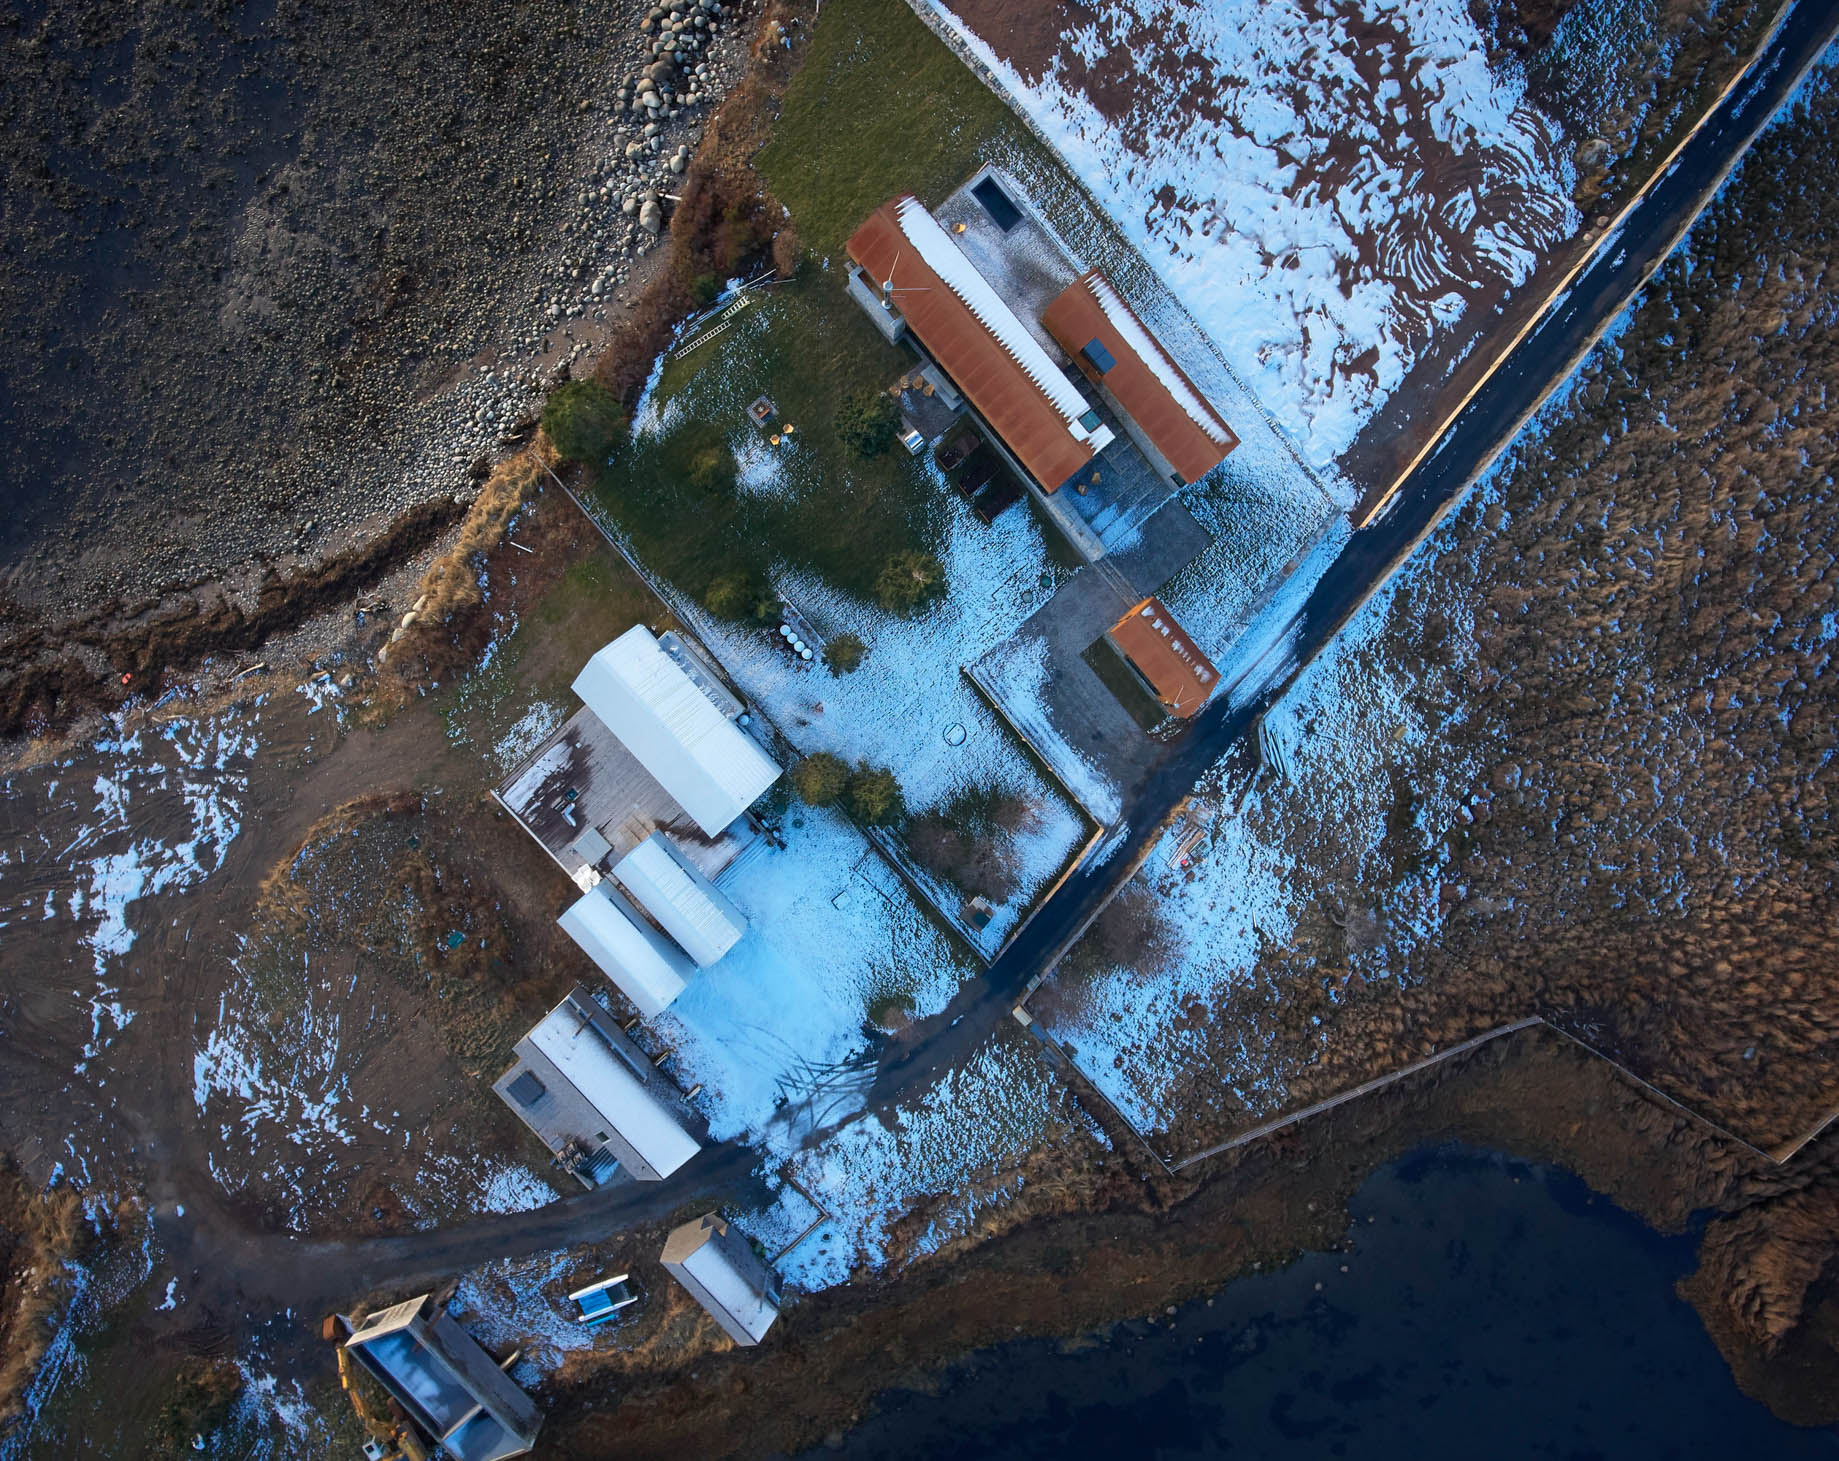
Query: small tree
843 654
874 797
869 421
909 581
711 471
583 420
743 596
820 779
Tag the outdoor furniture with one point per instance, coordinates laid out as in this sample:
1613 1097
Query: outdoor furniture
599 1302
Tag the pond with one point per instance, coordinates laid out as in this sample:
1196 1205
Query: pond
1485 1307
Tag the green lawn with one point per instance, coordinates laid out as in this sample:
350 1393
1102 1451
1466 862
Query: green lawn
880 106
817 506
595 600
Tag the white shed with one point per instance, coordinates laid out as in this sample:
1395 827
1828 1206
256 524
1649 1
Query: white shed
724 1275
648 968
579 1080
689 907
710 766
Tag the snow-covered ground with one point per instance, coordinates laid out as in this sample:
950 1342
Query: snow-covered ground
957 1147
1323 188
783 1018
1276 849
154 812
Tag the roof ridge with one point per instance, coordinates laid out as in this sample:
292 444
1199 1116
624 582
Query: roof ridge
1054 387
1128 325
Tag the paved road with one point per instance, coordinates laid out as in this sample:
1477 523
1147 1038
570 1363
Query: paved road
258 1273
1274 649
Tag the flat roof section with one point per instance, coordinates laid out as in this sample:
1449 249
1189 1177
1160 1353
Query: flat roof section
645 966
1177 673
710 766
688 907
990 355
1150 387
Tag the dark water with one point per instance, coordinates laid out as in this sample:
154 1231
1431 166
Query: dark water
1491 1309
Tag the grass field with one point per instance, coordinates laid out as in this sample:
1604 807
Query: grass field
880 106
700 490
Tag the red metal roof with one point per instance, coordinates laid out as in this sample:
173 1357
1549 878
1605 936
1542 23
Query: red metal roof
1155 393
1161 652
990 377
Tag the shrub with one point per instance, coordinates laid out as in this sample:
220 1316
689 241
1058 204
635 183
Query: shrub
711 471
742 596
705 289
974 865
909 581
583 420
843 654
820 779
869 421
874 797
971 840
788 250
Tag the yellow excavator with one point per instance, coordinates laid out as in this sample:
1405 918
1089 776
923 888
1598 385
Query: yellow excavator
392 1436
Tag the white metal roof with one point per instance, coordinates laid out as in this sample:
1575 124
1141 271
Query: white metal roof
608 1084
692 909
712 767
630 952
732 1296
954 266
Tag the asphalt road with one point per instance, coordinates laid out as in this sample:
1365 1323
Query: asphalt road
1289 636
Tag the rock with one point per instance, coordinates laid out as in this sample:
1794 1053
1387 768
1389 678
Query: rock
651 216
677 163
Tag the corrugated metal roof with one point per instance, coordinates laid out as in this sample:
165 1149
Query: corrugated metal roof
1151 640
1153 390
648 969
987 351
712 767
575 1048
691 909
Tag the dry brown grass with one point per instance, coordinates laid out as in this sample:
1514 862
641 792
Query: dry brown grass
39 1232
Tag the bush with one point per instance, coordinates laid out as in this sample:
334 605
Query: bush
975 866
970 841
909 581
742 596
583 420
711 471
820 779
874 797
869 422
705 289
788 250
843 654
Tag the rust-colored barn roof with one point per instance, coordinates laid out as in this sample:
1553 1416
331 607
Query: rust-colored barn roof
1128 362
954 312
1161 652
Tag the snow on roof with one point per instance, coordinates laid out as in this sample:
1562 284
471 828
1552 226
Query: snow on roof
705 1256
608 1084
1123 319
641 961
712 767
953 266
691 909
1179 673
